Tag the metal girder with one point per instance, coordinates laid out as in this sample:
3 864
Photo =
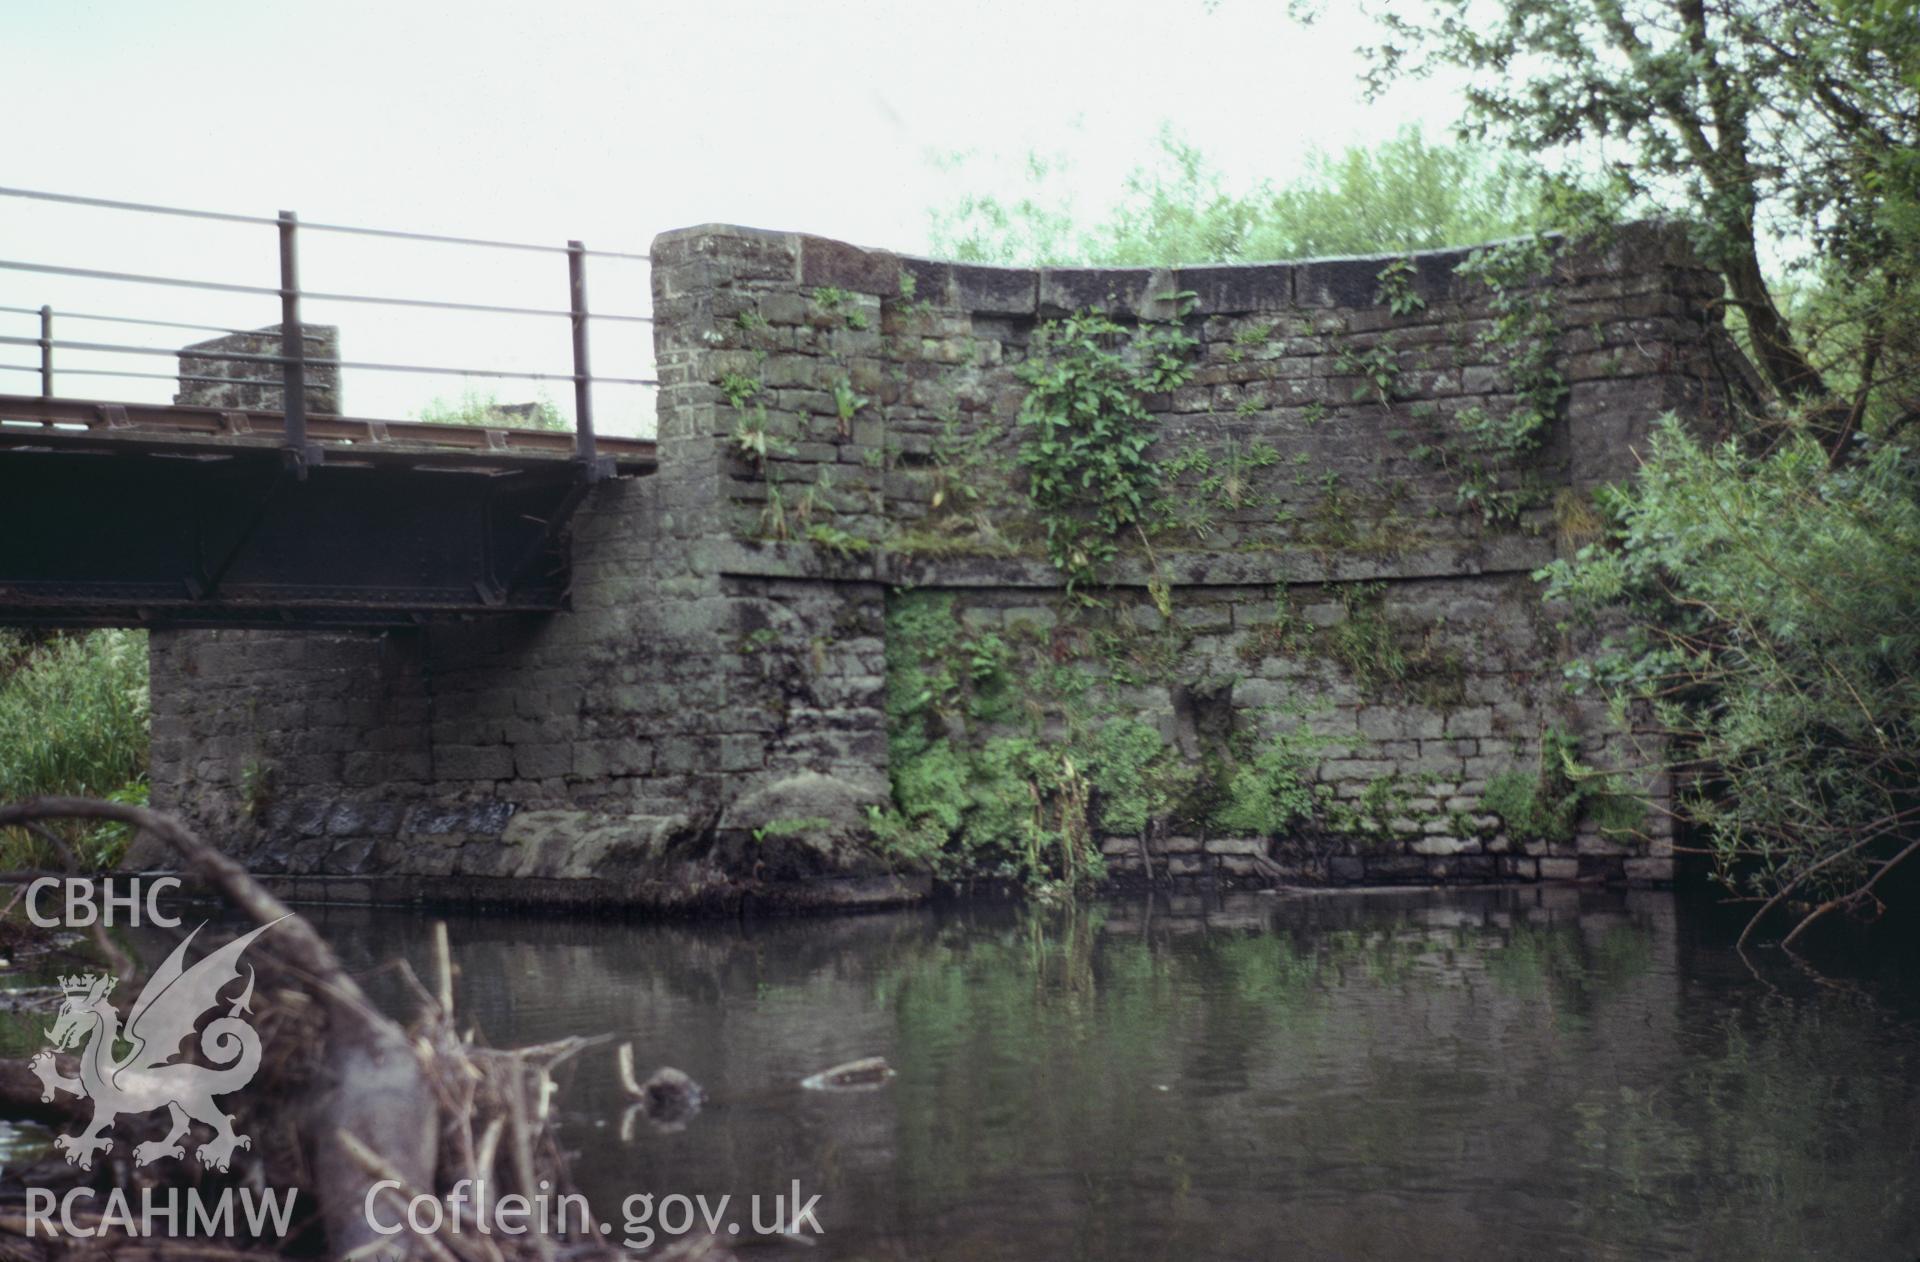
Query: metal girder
24 418
141 532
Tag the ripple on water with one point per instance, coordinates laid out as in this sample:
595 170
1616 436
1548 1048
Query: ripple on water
1493 1074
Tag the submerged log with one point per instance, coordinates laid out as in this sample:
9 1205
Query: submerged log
865 1074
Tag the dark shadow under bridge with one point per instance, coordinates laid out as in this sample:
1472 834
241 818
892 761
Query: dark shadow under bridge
129 515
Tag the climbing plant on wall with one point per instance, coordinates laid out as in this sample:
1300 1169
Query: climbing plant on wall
1492 442
1086 429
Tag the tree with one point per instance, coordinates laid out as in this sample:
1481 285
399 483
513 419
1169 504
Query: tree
1764 595
1777 127
1408 193
1768 615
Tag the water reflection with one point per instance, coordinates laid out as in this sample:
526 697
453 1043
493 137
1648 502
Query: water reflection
1519 1074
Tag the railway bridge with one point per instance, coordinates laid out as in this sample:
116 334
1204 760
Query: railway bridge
393 659
247 500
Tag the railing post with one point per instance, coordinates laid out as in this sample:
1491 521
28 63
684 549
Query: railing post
46 352
582 376
293 350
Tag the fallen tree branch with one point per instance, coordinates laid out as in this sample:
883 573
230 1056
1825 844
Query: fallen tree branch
373 1083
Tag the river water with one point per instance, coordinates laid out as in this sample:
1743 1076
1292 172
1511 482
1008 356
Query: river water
1514 1074
1518 1074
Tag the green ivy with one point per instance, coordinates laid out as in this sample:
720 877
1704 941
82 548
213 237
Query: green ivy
1087 429
1517 276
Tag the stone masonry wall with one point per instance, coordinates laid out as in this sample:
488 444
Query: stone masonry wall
838 442
208 379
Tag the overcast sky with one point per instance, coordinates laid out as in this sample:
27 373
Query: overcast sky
608 122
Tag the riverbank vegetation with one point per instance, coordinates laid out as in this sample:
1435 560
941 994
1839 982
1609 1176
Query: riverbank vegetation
73 722
1764 583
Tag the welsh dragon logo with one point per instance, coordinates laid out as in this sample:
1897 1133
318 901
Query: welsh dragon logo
170 1006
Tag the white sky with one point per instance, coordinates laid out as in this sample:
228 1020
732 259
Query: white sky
608 122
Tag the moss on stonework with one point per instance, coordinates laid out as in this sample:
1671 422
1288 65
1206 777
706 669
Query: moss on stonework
1548 801
1014 745
1365 643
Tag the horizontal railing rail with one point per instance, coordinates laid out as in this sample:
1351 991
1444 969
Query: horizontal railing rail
249 357
318 295
66 314
295 354
107 203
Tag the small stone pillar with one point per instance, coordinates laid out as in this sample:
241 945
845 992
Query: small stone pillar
253 386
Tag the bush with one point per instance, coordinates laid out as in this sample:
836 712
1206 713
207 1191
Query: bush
483 407
1768 613
73 720
1548 802
1272 792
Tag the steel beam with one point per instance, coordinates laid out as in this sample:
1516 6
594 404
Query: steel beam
126 530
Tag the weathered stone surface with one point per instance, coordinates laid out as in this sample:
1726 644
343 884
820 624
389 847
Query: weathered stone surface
1441 845
1122 291
1554 869
995 290
808 795
210 379
827 263
574 844
722 668
1235 290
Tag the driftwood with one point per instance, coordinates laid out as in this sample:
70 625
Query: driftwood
21 1092
866 1074
347 1100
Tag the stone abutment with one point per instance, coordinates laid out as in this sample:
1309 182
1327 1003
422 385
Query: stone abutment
1335 576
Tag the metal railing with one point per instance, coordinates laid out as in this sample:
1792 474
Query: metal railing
293 359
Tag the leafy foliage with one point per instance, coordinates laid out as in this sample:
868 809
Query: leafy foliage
1517 276
1548 803
478 407
1772 624
73 720
979 787
1137 777
757 438
1765 123
1271 792
1087 429
1405 194
1009 806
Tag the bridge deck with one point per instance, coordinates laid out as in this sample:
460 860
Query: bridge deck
147 515
28 421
